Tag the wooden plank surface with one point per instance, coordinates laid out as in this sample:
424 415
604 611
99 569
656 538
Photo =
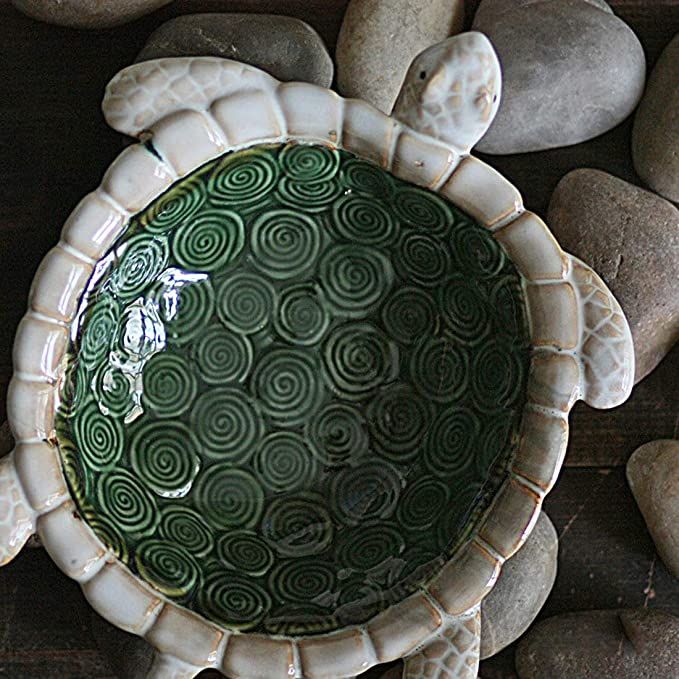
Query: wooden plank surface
55 146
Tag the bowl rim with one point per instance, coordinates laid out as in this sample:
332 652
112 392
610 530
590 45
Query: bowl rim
176 145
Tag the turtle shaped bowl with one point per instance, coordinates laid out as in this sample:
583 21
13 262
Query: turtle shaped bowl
296 379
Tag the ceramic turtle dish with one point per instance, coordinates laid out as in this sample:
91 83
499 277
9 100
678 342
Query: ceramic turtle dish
305 374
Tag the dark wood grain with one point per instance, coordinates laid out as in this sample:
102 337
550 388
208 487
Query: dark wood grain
605 438
55 147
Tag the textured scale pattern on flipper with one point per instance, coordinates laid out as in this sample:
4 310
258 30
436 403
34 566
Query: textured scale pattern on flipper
294 385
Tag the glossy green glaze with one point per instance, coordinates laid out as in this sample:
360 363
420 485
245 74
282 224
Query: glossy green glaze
295 384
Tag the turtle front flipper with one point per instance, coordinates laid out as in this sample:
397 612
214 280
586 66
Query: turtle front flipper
452 91
17 518
606 351
142 94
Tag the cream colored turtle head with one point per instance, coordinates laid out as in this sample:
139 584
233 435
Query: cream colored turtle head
452 90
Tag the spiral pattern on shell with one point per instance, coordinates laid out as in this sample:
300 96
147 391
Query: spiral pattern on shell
184 526
228 497
409 314
366 178
452 441
369 545
452 521
107 531
169 384
338 433
299 618
361 219
72 389
302 317
505 300
359 590
439 369
283 462
164 455
463 309
422 503
245 302
303 580
169 568
354 278
243 179
223 356
421 563
468 498
369 491
288 348
298 525
99 438
76 475
285 383
99 326
210 241
493 441
306 163
141 259
227 423
127 502
422 209
360 599
245 551
475 252
233 600
358 358
176 206
186 310
421 259
398 418
495 376
113 390
284 243
311 196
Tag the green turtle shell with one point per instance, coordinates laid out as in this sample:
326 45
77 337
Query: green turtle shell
294 385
